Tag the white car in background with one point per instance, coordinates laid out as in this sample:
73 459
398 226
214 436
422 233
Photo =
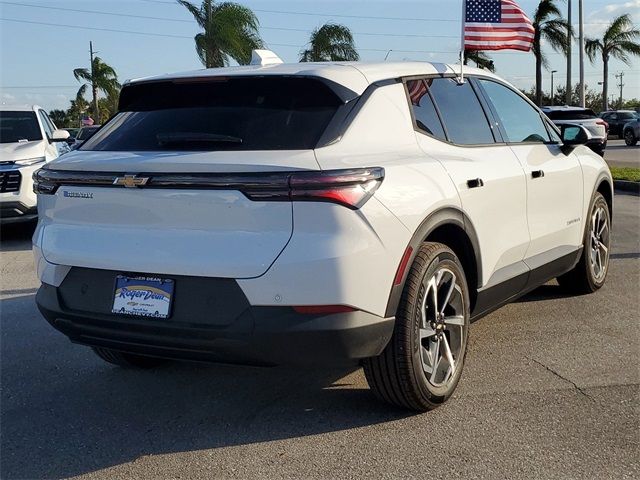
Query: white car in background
317 214
28 140
596 126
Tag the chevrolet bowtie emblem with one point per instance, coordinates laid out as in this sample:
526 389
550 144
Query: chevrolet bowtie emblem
131 181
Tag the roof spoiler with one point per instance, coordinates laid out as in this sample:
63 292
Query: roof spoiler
265 57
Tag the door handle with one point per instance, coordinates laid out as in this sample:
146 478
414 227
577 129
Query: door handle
537 174
475 183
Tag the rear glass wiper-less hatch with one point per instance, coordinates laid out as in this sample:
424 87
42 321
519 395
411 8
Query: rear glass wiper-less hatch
180 138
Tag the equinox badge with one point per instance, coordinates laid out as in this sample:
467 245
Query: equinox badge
131 181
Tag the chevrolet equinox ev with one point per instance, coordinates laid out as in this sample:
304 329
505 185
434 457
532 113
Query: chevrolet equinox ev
318 214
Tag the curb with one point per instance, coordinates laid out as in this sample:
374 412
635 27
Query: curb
626 186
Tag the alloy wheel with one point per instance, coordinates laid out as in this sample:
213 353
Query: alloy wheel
600 236
443 328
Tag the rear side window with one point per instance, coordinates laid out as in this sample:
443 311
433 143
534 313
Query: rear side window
521 122
461 112
424 110
571 114
219 113
19 127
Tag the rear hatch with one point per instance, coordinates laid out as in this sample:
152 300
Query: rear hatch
182 180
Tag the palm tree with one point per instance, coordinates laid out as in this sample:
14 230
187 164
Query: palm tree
331 42
58 117
481 59
618 42
230 31
554 29
101 78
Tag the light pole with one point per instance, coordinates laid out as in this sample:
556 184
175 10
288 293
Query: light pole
581 43
552 95
605 99
569 92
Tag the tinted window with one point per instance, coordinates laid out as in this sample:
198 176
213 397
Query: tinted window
571 114
521 122
19 126
627 116
219 113
423 109
461 112
86 133
45 125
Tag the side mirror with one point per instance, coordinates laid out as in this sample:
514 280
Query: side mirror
59 136
573 135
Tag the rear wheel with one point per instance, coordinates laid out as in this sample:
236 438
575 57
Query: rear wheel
421 366
590 273
630 138
129 360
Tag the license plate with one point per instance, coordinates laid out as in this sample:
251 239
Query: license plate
143 296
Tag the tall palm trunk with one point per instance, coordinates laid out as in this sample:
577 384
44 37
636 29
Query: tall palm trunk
605 82
94 90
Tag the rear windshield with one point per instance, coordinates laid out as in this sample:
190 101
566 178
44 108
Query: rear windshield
19 127
571 114
247 113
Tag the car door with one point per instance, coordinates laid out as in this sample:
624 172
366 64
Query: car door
454 129
553 175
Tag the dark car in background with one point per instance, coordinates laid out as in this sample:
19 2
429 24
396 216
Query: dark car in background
617 119
84 134
597 127
631 132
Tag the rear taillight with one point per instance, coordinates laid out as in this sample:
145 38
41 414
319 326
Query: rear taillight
603 123
351 188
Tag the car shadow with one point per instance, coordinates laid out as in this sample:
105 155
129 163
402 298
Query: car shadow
65 412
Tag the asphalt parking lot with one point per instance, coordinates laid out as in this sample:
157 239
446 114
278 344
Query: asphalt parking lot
550 390
618 154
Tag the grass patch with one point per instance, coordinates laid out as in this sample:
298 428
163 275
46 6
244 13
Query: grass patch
626 173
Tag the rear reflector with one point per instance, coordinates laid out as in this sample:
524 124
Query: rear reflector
403 266
322 309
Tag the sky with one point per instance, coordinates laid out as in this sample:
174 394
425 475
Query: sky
40 47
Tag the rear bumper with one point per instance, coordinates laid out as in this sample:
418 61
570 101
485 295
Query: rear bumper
598 145
16 211
211 321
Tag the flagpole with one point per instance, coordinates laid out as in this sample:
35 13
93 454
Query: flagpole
464 18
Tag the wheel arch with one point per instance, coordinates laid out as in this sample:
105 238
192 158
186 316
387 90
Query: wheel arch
453 228
605 188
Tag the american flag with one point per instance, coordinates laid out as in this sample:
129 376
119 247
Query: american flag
496 25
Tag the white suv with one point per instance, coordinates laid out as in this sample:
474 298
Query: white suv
28 139
316 213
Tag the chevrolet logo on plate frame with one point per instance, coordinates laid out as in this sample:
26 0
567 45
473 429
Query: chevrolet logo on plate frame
131 181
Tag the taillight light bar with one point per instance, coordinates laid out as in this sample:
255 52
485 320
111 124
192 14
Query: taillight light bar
349 187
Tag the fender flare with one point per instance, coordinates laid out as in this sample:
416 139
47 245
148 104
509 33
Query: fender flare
443 216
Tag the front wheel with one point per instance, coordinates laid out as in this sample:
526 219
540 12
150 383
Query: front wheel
590 273
421 366
630 138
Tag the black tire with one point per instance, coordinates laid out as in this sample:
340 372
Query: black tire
128 360
397 375
582 279
629 138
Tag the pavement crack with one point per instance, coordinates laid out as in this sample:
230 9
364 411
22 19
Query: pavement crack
562 378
